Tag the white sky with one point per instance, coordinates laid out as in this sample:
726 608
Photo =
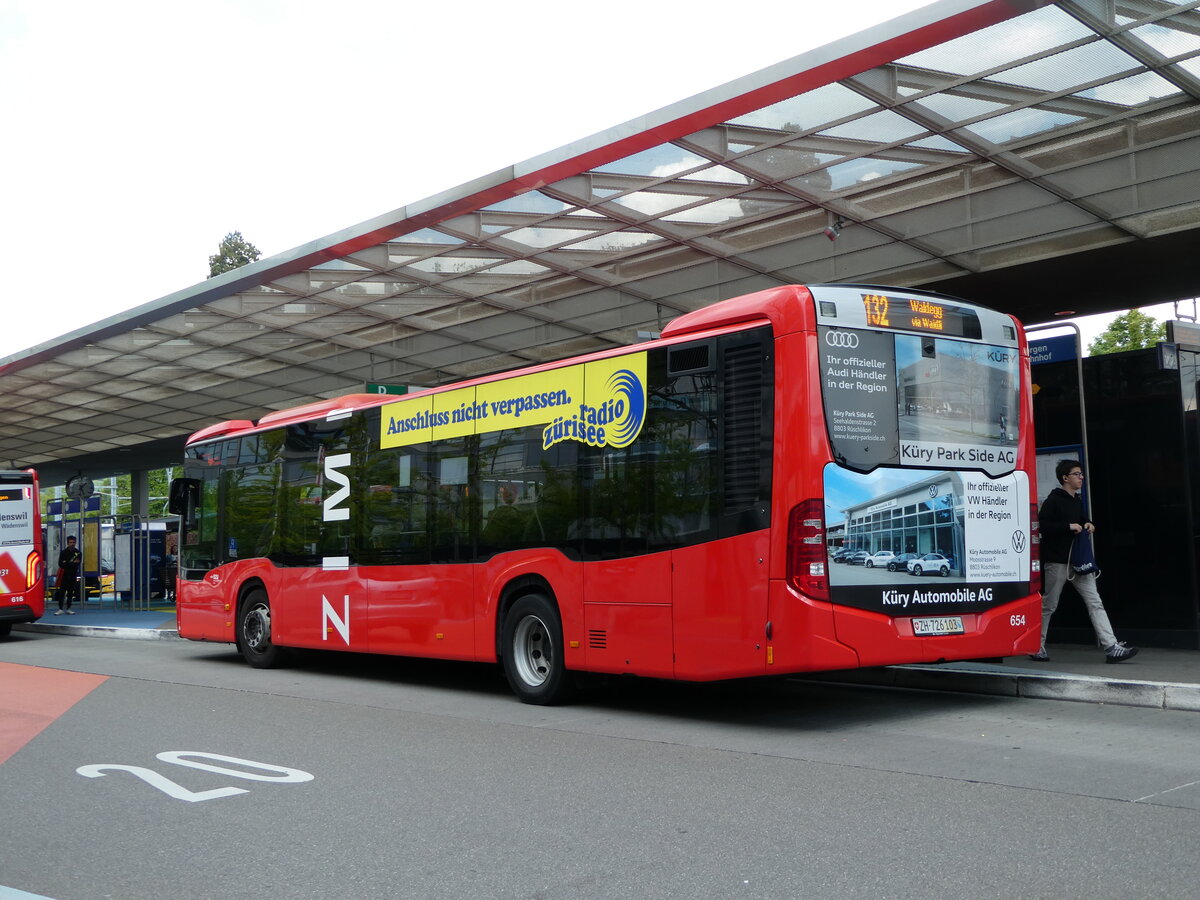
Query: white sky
139 132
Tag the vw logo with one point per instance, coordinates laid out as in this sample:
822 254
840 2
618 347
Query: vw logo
1018 541
846 339
933 490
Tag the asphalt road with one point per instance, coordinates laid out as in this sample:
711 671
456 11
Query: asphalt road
371 777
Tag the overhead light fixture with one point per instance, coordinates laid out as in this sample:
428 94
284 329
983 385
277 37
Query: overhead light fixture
834 231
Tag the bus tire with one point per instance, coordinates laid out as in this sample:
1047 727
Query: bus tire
532 652
5 629
254 632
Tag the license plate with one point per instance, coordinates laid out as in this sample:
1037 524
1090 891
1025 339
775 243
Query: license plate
941 625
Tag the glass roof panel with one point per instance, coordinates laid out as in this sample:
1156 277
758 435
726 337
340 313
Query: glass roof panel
727 210
780 163
408 304
426 236
339 265
655 203
884 127
858 171
529 202
807 111
450 265
547 237
1132 91
517 267
1191 66
958 109
719 174
937 142
617 241
1032 33
1167 41
662 161
1061 71
1021 123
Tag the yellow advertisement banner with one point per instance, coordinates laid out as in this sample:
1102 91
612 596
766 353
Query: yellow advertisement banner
599 403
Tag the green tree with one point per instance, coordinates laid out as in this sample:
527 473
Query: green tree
235 251
1133 330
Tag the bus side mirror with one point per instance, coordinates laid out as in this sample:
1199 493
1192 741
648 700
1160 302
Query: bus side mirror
183 492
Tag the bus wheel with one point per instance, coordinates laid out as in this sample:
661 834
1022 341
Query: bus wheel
531 645
254 632
5 629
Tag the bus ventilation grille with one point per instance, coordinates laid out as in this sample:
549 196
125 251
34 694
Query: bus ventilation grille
598 640
743 425
687 359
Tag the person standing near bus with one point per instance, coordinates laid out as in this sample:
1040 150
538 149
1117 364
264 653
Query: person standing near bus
68 577
1062 519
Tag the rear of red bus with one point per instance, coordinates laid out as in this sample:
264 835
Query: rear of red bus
22 566
903 522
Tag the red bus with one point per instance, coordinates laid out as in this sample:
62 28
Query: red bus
802 479
22 565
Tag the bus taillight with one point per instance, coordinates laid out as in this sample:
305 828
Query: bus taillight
807 556
33 569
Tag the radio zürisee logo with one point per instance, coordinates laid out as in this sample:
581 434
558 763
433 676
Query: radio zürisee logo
615 421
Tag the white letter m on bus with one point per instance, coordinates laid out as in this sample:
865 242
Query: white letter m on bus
332 512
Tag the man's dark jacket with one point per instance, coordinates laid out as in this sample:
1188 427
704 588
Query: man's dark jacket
1059 510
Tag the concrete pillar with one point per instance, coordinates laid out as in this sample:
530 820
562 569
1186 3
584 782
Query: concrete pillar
139 489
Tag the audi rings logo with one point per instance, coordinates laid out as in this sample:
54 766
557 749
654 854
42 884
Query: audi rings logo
845 339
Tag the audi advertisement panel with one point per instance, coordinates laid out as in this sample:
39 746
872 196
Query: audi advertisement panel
921 401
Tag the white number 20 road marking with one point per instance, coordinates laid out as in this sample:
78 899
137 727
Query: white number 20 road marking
267 772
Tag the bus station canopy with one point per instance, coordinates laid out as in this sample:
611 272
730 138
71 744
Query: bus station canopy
1038 157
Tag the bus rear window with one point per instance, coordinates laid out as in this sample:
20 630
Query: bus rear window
919 400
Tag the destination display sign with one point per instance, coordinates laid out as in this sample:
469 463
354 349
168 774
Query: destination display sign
921 314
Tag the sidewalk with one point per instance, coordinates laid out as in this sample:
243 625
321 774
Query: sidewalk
103 618
1162 679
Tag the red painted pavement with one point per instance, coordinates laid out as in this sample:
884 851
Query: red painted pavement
32 697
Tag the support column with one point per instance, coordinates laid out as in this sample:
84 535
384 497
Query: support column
139 489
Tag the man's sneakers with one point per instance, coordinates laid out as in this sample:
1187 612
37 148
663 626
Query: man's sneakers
59 612
1119 652
71 612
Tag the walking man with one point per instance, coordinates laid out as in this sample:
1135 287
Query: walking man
1062 519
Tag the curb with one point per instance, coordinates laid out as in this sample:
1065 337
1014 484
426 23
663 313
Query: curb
1031 686
105 631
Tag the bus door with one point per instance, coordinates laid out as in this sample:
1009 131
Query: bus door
627 586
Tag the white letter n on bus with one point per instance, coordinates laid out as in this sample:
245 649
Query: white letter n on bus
329 617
